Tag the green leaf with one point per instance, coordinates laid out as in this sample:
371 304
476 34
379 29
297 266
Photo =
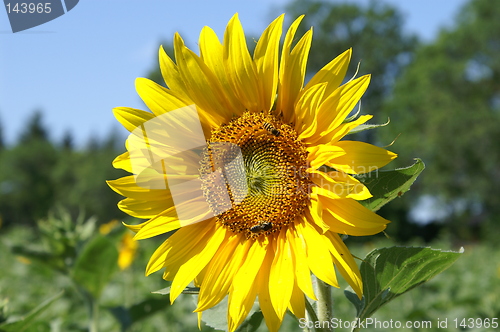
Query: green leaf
367 126
216 317
391 272
95 265
387 185
128 316
22 323
187 290
251 324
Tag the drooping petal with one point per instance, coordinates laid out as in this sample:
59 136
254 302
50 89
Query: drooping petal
242 288
220 272
318 257
360 157
297 302
344 262
176 248
273 322
201 254
281 278
302 272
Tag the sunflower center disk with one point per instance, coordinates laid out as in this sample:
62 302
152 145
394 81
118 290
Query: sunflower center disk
254 175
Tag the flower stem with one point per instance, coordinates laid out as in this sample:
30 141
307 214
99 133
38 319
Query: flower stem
94 315
310 315
325 302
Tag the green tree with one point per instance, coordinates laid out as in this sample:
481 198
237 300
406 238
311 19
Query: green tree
27 190
447 107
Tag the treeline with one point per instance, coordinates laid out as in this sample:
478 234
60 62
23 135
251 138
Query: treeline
38 175
442 98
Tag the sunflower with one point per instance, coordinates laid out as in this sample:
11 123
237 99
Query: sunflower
248 166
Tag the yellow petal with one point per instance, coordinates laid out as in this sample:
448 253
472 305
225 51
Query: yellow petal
162 223
241 69
281 279
297 302
201 254
131 118
339 104
318 257
273 322
127 186
237 312
338 185
290 76
143 209
306 110
333 73
135 228
123 162
172 76
319 155
347 216
221 270
245 277
212 53
360 157
266 61
302 272
342 130
201 83
158 99
177 248
345 263
315 212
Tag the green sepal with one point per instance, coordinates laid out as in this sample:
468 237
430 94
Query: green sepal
387 185
363 127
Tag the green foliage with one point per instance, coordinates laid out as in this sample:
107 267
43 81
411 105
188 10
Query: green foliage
20 324
95 265
37 175
391 272
388 185
138 312
60 239
447 109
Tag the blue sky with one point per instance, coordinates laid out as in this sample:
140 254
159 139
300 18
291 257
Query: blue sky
79 66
